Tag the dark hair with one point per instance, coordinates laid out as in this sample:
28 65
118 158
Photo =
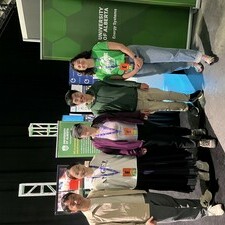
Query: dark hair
68 97
63 200
86 55
76 131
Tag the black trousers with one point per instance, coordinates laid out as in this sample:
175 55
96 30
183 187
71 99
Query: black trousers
152 135
166 168
166 209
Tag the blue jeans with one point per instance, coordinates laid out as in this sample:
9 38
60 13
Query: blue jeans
159 60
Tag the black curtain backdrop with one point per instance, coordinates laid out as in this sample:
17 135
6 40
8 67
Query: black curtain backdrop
31 90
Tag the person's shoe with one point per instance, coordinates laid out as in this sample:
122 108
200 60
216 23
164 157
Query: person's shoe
199 68
193 110
198 132
215 210
204 176
202 165
210 60
196 95
205 199
207 143
202 101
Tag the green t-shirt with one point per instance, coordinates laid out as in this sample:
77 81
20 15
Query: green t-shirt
107 62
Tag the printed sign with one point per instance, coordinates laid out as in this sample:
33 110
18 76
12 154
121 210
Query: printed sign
65 185
67 146
83 23
78 78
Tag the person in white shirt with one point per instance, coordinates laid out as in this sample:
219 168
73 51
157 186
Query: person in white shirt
162 169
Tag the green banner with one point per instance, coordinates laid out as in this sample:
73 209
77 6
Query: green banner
67 146
180 3
72 26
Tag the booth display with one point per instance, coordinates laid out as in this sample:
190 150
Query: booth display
65 185
67 146
179 3
77 78
70 27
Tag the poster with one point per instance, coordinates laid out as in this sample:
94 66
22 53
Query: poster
65 185
70 27
67 146
82 108
180 3
78 78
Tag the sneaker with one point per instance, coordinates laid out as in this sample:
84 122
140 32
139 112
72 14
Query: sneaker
198 132
202 165
199 68
204 176
202 101
196 95
207 143
206 198
210 60
215 210
193 110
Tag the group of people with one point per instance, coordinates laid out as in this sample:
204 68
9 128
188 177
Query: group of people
138 154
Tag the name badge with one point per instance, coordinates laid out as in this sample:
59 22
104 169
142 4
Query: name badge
129 131
124 66
129 172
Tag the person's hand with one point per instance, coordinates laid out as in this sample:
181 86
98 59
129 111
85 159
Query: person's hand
136 69
138 62
143 151
146 113
151 221
144 87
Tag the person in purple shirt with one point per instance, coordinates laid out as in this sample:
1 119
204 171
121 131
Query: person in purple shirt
128 134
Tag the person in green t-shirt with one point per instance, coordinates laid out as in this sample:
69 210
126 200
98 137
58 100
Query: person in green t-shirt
116 61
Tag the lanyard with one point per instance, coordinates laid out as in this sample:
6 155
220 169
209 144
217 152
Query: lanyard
111 131
103 170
